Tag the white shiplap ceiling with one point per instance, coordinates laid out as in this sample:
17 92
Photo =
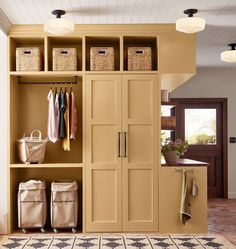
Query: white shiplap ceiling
219 14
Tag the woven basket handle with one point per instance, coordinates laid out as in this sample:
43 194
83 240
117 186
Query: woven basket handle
102 52
36 131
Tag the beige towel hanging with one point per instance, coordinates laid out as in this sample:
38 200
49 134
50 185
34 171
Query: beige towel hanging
185 212
194 188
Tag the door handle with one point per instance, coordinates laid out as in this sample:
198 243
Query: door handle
125 146
119 144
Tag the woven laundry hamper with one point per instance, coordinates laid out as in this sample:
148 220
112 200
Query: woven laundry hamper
29 59
139 58
102 59
64 205
32 205
64 59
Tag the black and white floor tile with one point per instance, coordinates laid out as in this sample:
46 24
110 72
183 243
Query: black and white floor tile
210 242
162 242
15 242
116 242
40 242
87 242
184 242
62 243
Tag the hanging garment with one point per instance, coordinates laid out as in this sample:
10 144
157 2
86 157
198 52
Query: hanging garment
73 116
57 114
62 109
66 140
52 128
185 212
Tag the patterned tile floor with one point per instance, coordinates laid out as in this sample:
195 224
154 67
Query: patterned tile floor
222 218
117 242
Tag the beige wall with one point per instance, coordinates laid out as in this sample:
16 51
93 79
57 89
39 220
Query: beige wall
216 83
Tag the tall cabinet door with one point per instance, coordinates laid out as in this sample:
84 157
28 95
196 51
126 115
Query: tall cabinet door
103 164
141 148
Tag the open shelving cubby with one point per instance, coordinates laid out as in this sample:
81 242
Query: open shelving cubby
65 42
16 42
92 41
29 111
49 175
140 41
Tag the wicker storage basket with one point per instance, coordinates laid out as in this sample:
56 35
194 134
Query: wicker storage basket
29 59
168 122
139 58
64 59
102 58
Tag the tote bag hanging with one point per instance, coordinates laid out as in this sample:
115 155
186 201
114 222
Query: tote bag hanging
32 149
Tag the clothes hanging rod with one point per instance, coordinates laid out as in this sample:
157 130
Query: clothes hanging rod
48 82
183 170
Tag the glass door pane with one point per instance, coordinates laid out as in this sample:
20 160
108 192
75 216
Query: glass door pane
200 126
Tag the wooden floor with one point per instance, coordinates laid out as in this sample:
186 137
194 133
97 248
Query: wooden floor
222 218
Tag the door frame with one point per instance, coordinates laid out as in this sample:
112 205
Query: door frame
224 104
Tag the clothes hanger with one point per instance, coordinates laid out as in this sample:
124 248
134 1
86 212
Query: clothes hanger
71 88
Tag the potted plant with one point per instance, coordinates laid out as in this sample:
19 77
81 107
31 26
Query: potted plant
172 150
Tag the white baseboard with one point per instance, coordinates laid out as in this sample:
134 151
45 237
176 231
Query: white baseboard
232 195
3 223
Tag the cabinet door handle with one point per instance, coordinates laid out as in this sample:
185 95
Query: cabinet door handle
119 144
125 146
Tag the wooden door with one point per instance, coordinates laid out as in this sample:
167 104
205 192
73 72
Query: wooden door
103 164
140 152
202 122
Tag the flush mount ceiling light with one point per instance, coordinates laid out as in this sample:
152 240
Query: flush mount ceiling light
229 55
59 26
190 24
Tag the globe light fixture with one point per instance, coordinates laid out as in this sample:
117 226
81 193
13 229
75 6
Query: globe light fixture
190 24
58 25
229 55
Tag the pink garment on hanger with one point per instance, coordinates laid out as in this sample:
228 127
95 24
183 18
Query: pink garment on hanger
73 117
57 115
52 131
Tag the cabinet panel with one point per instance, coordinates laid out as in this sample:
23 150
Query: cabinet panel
140 143
104 146
140 166
103 166
104 191
170 197
140 208
104 104
140 104
103 199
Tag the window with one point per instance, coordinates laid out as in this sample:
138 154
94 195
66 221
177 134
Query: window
200 126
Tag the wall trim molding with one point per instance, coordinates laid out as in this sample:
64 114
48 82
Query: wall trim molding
5 23
232 195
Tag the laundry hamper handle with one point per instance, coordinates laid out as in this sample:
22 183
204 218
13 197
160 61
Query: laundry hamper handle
39 134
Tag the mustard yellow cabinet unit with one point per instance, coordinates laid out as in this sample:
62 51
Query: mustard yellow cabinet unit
121 158
170 197
139 166
103 164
